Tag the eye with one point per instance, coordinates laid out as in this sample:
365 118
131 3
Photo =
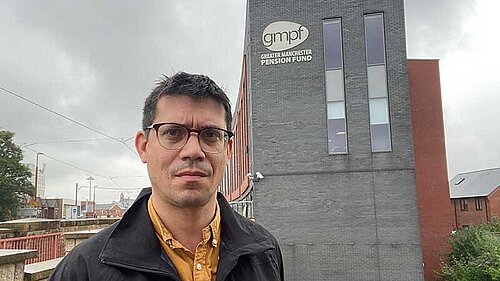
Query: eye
212 135
172 132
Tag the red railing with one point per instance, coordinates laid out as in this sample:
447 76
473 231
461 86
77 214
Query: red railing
49 246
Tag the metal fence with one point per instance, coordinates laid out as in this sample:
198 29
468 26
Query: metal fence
49 246
245 208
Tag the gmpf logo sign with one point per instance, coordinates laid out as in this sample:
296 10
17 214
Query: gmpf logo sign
284 35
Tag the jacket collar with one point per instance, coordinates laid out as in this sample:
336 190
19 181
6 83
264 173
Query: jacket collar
133 244
240 236
237 231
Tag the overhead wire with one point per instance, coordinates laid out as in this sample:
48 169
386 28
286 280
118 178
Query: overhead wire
123 189
67 118
66 163
26 146
118 187
62 141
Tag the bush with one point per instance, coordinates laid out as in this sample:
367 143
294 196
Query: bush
475 254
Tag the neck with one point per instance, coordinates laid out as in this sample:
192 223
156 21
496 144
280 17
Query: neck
185 224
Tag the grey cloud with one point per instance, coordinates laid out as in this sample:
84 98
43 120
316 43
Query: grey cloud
96 61
434 27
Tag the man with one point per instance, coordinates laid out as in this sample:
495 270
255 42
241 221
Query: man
181 228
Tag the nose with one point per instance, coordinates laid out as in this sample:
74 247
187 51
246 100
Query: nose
192 148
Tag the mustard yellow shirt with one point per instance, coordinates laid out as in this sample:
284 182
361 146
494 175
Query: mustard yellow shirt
198 266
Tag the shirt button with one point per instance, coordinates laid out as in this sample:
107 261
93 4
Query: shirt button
214 242
199 266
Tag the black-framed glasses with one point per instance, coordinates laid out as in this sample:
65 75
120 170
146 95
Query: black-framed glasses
175 136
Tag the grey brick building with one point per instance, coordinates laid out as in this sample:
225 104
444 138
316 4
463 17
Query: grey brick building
329 127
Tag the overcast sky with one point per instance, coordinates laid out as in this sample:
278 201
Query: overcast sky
96 61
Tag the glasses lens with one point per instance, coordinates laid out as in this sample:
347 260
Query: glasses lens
172 136
213 140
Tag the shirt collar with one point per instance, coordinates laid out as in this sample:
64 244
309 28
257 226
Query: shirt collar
210 232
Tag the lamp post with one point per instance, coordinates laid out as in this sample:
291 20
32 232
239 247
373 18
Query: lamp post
76 195
95 186
76 198
36 173
90 179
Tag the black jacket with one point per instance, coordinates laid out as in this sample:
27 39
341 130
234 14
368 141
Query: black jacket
130 250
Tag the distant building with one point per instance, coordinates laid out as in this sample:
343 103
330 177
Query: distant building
87 208
475 197
111 210
115 209
57 208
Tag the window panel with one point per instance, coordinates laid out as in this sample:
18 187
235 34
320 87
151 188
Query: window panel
336 110
381 137
335 92
463 205
334 85
332 40
377 81
478 204
374 36
337 136
379 111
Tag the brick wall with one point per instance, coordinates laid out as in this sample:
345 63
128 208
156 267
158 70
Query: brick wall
494 203
435 210
471 216
490 209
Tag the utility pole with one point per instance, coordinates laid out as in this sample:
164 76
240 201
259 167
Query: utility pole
95 186
76 199
90 179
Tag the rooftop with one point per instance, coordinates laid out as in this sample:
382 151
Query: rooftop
475 184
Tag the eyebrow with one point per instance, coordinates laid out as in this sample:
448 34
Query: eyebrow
209 126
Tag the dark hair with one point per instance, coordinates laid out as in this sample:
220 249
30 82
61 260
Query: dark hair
192 85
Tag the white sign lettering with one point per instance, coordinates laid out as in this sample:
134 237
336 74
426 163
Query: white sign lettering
286 57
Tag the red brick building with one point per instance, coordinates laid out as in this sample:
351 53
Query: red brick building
475 197
113 210
435 210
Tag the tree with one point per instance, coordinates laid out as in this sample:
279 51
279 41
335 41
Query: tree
475 254
14 177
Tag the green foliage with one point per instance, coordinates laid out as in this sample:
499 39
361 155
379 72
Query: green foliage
475 254
14 177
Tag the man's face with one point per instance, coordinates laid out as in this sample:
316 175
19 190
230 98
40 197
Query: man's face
186 177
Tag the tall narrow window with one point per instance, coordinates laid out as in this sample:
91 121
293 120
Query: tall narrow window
335 96
380 127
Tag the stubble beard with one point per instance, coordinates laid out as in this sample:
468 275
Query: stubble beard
191 195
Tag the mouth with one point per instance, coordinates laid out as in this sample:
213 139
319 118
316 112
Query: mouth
191 175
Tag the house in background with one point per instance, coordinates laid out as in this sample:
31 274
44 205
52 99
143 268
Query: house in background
110 210
475 197
115 209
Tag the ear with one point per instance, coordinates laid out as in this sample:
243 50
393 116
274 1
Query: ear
141 144
229 149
